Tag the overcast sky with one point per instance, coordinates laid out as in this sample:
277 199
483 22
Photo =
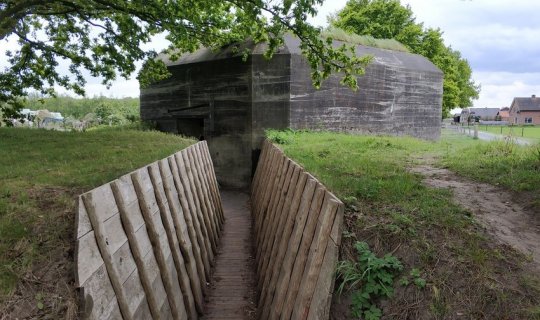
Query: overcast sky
499 38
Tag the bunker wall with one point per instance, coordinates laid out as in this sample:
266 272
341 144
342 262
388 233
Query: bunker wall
390 99
209 100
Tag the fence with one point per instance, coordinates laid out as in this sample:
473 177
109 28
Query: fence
146 241
297 224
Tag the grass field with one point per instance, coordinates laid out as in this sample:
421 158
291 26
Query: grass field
529 132
41 173
466 274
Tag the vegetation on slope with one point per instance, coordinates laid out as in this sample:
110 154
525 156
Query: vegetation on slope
365 40
452 268
41 173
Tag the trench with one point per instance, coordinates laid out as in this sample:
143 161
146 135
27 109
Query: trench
164 242
232 289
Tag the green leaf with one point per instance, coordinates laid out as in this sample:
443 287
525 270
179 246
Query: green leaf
420 282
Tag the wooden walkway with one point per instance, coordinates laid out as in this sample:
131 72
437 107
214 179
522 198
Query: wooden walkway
232 293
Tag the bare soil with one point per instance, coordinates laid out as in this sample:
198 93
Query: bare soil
46 290
510 222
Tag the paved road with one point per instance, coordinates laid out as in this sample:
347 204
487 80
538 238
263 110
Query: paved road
488 136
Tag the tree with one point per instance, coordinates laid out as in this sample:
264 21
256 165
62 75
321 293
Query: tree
389 19
107 37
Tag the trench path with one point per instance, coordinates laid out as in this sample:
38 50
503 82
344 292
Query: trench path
232 290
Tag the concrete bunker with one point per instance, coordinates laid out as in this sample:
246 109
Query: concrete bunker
218 96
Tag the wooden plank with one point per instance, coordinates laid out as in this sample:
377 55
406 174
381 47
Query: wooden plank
170 230
257 198
263 195
204 177
197 204
133 222
114 248
269 199
194 231
298 205
266 165
310 198
202 237
283 271
97 297
273 220
266 195
87 256
315 258
213 178
322 298
255 184
82 222
200 199
268 221
283 212
303 251
137 299
204 202
181 228
158 238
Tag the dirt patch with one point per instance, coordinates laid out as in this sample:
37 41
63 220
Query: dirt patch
514 224
45 288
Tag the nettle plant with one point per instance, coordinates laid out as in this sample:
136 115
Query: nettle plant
371 278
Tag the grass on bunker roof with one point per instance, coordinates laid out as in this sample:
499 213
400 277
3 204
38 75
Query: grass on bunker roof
41 174
468 275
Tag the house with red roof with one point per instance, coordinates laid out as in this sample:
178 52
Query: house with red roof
525 110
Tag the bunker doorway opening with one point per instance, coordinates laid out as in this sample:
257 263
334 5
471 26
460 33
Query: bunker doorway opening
191 127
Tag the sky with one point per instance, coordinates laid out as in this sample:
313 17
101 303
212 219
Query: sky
499 38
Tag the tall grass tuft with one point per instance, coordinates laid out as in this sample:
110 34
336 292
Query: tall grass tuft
343 35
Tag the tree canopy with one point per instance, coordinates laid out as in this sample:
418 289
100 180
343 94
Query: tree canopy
389 19
106 38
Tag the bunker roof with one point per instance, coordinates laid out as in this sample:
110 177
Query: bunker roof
292 46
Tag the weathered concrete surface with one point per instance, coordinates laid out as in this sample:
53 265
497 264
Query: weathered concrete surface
230 102
400 94
210 100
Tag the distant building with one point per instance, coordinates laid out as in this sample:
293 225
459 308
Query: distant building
478 114
525 110
504 114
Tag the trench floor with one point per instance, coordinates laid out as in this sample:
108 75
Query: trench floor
232 291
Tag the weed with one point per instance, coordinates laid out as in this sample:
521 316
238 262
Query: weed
415 277
280 136
438 305
370 277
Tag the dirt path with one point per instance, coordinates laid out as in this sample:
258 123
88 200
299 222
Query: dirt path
507 220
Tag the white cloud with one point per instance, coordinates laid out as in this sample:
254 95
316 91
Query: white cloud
500 88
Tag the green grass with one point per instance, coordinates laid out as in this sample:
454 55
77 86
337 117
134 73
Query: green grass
391 209
351 38
41 173
530 132
500 163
